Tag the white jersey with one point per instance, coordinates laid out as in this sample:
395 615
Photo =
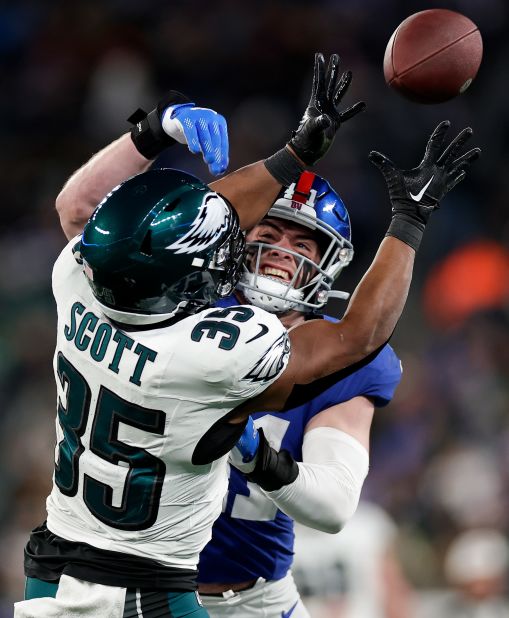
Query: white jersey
132 406
344 572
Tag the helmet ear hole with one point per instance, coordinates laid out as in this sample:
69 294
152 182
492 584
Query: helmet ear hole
172 205
146 245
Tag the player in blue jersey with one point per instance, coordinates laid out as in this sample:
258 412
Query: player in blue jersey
294 255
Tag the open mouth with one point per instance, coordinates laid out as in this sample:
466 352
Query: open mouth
275 273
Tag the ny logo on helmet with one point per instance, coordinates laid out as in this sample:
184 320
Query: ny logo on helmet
297 199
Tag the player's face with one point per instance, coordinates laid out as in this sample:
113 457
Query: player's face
276 262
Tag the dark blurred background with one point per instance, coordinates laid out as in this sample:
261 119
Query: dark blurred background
72 72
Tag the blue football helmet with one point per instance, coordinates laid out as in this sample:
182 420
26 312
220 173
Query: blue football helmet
312 203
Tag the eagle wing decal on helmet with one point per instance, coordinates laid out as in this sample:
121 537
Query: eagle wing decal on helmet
272 363
212 220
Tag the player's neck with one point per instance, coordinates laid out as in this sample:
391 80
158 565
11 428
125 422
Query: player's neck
291 318
288 319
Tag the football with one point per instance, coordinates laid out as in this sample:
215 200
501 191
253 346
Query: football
433 56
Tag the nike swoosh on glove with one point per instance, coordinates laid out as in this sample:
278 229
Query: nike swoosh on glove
415 193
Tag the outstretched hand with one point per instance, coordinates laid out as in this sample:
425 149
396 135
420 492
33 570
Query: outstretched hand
420 189
416 193
322 119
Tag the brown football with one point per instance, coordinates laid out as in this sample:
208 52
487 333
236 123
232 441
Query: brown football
433 56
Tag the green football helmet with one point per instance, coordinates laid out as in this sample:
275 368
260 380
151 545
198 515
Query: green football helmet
159 242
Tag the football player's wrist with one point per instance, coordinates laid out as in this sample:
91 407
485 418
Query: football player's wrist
147 133
284 166
407 229
292 151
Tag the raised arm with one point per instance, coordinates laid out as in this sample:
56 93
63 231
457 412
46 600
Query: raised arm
378 300
320 348
323 491
90 183
251 189
175 119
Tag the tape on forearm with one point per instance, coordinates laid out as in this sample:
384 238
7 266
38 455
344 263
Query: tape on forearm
407 230
147 133
284 167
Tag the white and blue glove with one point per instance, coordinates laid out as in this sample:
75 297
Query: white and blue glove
177 119
203 130
244 454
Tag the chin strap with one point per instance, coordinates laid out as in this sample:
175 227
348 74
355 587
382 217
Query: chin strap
338 294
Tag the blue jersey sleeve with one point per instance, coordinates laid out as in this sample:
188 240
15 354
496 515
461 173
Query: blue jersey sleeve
377 379
380 377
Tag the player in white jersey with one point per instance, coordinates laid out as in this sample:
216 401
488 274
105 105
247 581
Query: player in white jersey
158 250
139 391
354 574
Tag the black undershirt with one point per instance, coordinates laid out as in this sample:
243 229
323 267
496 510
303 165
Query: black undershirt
48 557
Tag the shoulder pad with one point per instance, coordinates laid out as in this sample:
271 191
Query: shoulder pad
66 265
262 348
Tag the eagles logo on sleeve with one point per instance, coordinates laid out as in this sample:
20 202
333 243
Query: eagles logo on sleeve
272 362
212 220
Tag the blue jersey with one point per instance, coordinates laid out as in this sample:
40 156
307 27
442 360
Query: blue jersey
252 538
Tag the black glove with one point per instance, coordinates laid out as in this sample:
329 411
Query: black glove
321 119
273 469
415 193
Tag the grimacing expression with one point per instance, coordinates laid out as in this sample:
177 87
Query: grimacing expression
277 263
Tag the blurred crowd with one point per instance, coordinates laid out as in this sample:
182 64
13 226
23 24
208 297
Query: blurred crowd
72 72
